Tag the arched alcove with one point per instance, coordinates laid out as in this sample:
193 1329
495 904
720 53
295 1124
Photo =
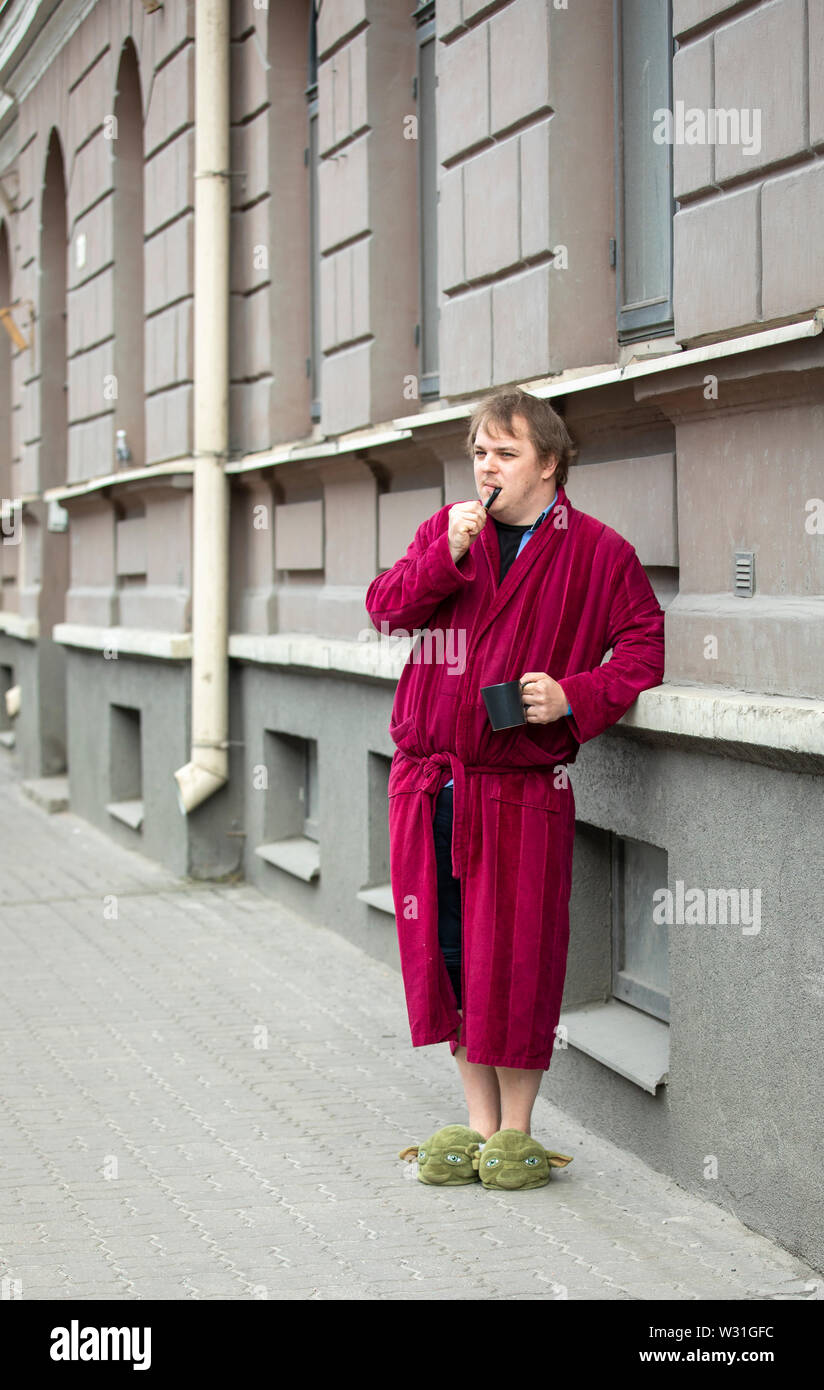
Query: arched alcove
293 252
51 324
5 368
8 553
127 240
44 550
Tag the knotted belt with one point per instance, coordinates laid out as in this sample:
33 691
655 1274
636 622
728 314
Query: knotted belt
435 767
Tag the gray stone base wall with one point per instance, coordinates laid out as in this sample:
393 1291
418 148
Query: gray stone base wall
39 729
349 719
102 754
746 1037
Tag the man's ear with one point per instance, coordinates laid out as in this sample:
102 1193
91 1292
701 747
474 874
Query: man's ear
551 463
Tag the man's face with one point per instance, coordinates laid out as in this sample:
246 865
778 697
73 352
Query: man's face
509 461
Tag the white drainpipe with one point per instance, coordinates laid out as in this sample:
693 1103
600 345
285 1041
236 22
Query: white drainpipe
207 771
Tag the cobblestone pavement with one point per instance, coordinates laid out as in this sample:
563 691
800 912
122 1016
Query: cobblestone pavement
204 1096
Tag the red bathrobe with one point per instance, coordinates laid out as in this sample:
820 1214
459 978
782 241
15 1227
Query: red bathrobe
576 590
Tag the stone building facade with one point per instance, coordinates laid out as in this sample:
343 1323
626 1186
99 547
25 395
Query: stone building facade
616 205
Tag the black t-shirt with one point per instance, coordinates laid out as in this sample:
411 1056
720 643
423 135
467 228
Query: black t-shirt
509 538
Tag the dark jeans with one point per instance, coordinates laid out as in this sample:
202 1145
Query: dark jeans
449 891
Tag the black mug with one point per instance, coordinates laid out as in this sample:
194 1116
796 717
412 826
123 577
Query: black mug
504 704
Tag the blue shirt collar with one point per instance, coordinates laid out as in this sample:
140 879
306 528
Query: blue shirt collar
548 508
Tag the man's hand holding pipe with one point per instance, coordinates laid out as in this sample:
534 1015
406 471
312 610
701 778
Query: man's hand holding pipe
466 521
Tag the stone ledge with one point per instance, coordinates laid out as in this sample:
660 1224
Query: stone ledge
379 897
633 1043
131 641
792 608
794 724
27 629
297 855
52 793
382 658
129 812
791 724
185 466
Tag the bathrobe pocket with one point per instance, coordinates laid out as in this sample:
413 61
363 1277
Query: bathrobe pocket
531 787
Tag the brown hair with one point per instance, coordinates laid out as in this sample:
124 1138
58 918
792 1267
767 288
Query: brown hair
546 429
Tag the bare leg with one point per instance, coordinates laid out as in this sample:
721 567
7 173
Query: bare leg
483 1095
519 1089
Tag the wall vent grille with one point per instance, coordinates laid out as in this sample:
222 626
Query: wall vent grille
744 573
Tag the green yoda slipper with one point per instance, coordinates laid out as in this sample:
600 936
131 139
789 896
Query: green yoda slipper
449 1158
510 1160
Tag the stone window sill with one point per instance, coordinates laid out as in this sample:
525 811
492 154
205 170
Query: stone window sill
297 855
129 812
633 1043
379 897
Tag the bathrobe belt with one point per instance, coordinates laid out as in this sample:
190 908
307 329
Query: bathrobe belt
436 770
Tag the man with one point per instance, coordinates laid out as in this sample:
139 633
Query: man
540 592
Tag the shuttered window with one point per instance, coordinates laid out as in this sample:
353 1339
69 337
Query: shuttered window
427 201
314 363
640 945
644 202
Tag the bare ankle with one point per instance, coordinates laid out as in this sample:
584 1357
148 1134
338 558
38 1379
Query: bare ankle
484 1127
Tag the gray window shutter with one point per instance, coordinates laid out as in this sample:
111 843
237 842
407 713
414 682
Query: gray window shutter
427 202
314 362
640 946
644 203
